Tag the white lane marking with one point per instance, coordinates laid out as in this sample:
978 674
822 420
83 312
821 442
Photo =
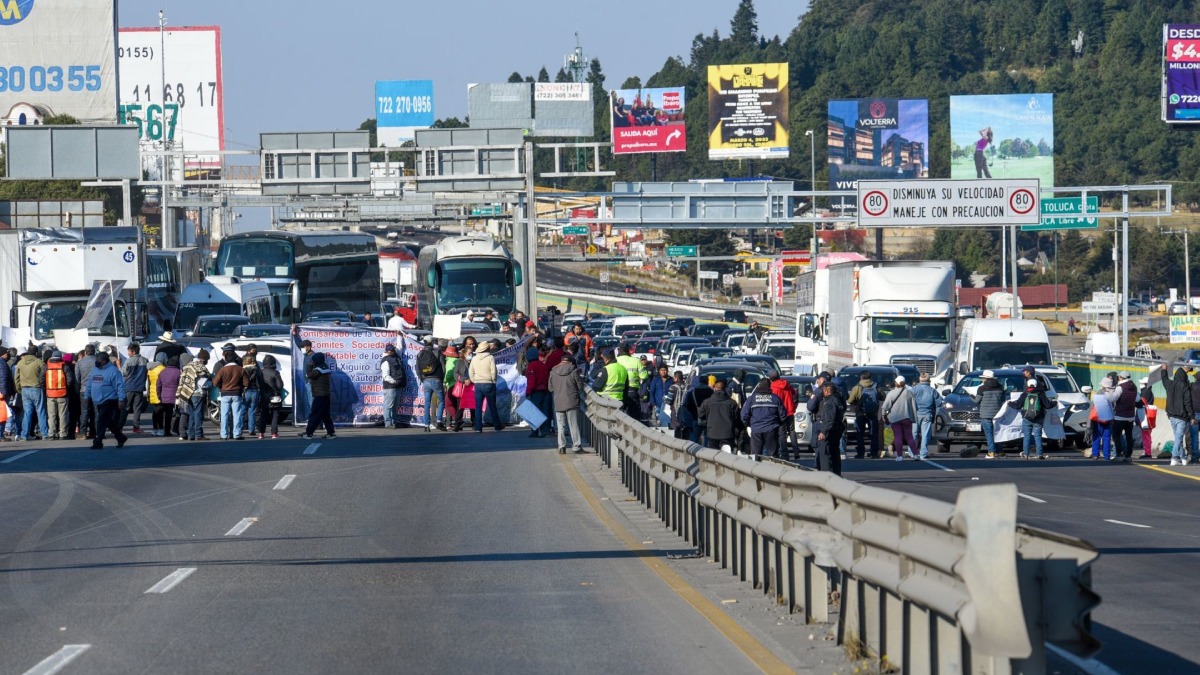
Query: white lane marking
1090 666
171 580
943 468
312 449
1121 522
19 456
241 527
285 482
1035 500
58 660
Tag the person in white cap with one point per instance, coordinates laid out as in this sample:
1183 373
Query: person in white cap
899 412
1032 404
990 397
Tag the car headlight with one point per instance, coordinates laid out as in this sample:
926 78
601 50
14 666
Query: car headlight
948 405
1080 407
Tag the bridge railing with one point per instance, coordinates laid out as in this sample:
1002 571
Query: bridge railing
928 586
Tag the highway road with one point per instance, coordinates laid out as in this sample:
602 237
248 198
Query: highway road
371 552
1141 517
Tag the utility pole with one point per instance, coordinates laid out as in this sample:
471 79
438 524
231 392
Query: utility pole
812 175
1187 269
169 235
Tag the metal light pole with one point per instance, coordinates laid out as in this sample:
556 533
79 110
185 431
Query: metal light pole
812 177
1187 269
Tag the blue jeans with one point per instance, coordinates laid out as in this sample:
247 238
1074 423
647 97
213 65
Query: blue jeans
34 399
429 387
231 414
195 412
989 434
486 391
1102 439
250 400
924 431
1180 427
389 407
1031 431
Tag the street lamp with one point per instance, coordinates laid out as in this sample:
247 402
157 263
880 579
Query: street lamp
812 176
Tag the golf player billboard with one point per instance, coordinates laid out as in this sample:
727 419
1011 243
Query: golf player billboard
1002 136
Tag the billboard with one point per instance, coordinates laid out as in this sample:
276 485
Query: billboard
503 105
875 139
1003 136
748 111
1181 73
563 109
402 107
648 120
58 57
171 88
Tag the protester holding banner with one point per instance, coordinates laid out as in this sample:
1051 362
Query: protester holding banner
320 382
393 381
1032 405
432 374
537 388
453 416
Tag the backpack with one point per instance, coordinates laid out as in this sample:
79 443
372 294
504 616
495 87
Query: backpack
427 363
869 402
1032 409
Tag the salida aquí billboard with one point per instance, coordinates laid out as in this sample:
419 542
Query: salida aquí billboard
647 120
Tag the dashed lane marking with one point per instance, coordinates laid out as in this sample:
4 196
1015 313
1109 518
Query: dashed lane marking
285 482
18 456
241 527
58 660
1121 522
1035 500
171 580
312 449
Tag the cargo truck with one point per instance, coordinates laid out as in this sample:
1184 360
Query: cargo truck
876 313
47 277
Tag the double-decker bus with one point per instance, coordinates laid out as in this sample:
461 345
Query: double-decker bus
306 271
168 272
461 273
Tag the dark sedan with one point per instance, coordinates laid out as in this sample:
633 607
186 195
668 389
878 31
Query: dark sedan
957 421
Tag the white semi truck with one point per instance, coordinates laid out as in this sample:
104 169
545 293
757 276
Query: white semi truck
47 277
878 312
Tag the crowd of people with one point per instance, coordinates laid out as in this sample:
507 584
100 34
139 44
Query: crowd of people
96 392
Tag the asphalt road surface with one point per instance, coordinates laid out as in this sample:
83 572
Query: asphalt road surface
371 552
1142 517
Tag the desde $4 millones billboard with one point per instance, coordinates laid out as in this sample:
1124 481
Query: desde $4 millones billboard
748 111
1181 73
647 120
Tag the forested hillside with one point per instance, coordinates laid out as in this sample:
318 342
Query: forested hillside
1106 99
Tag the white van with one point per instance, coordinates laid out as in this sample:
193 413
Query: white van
995 343
621 324
225 295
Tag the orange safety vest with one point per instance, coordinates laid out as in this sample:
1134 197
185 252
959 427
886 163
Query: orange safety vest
56 380
586 346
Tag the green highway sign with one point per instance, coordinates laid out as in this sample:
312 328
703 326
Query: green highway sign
1060 213
492 210
681 252
575 229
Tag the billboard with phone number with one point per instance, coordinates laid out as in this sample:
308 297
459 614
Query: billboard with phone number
58 57
1181 73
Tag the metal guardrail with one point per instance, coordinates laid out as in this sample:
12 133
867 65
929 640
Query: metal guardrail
782 315
927 586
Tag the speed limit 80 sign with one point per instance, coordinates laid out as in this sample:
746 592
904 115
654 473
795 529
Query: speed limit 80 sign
948 203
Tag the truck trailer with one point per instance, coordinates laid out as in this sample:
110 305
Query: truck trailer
47 278
878 312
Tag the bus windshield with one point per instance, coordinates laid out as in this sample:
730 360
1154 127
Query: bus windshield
475 283
910 330
65 314
255 258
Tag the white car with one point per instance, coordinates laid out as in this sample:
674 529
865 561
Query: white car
1075 399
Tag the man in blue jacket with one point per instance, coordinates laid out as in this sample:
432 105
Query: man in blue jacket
106 391
763 413
659 385
928 400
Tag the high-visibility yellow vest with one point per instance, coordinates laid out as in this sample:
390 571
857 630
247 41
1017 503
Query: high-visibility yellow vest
633 368
615 380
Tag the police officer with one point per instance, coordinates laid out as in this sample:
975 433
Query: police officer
764 413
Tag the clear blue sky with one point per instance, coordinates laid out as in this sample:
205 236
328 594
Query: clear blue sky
305 65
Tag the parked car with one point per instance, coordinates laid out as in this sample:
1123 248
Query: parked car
709 331
957 421
1178 307
253 330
